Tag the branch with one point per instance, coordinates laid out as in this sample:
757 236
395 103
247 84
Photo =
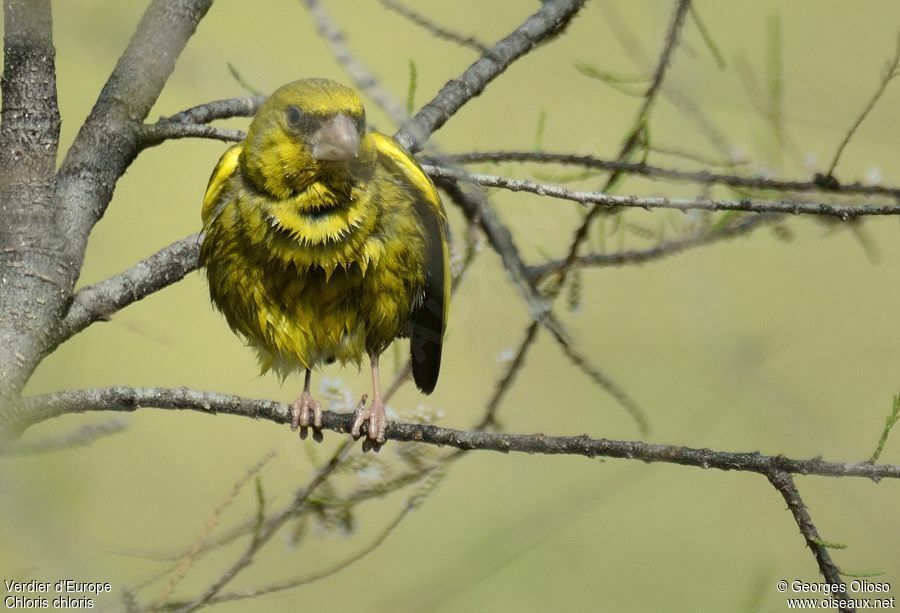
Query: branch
42 408
218 109
99 301
547 22
108 141
843 212
701 177
784 483
158 133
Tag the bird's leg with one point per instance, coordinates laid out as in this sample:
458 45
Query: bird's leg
375 413
302 406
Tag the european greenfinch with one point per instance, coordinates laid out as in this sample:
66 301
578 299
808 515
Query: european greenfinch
324 241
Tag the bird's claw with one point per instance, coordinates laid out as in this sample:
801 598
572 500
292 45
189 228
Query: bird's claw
374 415
300 412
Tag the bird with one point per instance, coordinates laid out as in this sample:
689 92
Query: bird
323 241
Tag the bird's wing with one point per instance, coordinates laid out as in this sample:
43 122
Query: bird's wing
429 316
220 175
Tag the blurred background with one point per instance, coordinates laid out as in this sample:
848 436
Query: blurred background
784 342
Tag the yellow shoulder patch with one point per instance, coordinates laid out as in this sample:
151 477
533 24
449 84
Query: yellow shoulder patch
401 158
220 174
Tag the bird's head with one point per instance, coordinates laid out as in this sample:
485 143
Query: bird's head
309 130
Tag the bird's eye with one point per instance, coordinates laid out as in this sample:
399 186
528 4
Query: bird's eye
361 122
294 116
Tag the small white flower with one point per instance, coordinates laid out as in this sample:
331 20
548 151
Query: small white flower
506 356
737 156
335 395
873 176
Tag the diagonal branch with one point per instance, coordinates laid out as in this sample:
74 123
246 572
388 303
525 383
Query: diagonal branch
360 74
99 301
784 483
634 136
543 25
42 408
108 141
436 30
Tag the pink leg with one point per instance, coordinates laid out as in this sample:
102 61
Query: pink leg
375 414
301 408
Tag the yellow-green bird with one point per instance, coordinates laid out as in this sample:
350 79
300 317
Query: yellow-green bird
325 241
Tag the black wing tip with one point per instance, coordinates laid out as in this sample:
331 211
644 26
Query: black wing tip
425 374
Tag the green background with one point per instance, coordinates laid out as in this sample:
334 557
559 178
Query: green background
757 343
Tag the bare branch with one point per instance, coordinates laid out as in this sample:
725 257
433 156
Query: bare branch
158 133
842 212
543 25
218 109
42 408
784 483
435 29
646 170
163 268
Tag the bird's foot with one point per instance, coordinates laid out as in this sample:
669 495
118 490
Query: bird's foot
374 415
300 413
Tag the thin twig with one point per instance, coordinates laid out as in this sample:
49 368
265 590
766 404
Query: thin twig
435 29
42 408
209 525
634 136
270 530
890 72
663 249
699 177
324 573
604 200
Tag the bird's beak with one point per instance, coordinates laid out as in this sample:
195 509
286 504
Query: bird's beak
336 141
